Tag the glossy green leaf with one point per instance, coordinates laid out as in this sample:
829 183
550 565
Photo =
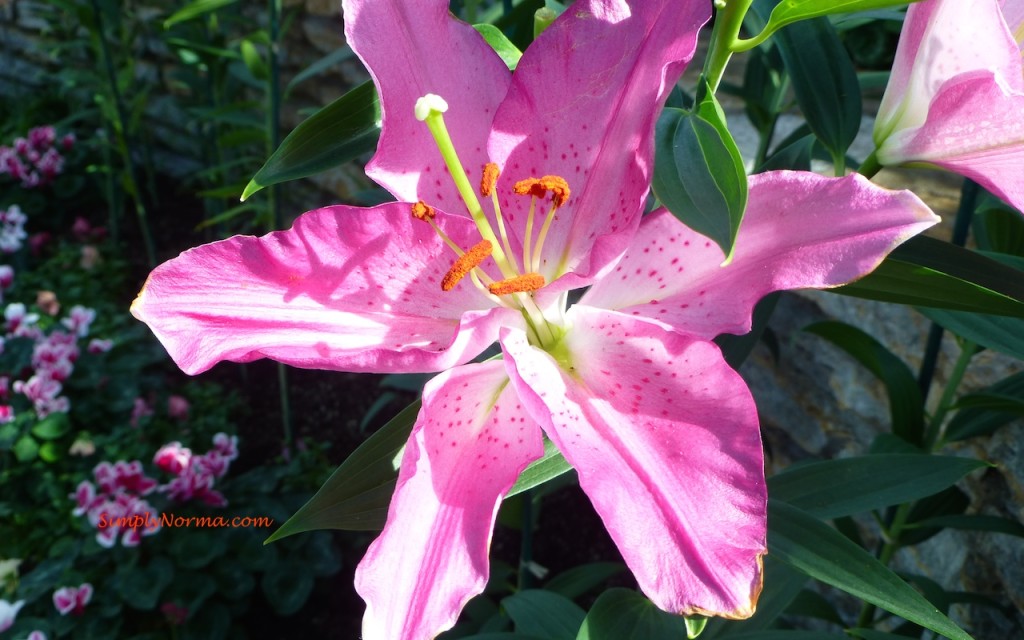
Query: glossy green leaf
698 170
357 494
927 272
695 626
973 522
316 68
789 634
976 421
194 10
998 333
811 546
577 581
335 134
823 79
544 614
847 486
789 11
287 586
999 229
621 614
905 403
253 60
52 426
874 634
506 50
26 449
951 502
549 466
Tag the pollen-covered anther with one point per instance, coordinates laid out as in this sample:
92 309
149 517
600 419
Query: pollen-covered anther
519 284
539 187
466 263
489 179
423 211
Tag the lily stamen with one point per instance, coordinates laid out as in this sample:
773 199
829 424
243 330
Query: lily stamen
488 184
519 284
558 187
466 263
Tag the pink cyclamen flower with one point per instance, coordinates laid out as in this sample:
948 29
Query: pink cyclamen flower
627 383
36 635
72 599
956 95
173 458
8 612
140 410
178 407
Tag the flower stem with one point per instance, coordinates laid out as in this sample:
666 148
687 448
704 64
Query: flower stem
933 437
870 166
724 37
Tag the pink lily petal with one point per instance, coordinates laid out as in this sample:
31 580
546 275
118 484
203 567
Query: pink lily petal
1013 14
582 105
665 438
801 230
415 47
942 39
974 128
470 442
344 288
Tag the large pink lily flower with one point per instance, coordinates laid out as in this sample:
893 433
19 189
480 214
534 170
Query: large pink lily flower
663 434
955 99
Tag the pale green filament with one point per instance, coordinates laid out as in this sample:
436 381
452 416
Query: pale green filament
540 239
430 110
501 230
527 259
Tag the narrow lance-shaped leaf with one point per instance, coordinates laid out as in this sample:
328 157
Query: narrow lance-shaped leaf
195 9
335 134
789 11
811 546
930 273
357 494
847 486
698 170
972 421
906 407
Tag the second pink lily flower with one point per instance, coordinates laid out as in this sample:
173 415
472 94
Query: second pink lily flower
956 96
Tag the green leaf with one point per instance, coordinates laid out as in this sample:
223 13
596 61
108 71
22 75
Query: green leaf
788 634
824 81
622 613
811 546
906 407
52 426
927 272
26 449
872 634
287 587
999 229
49 452
140 587
785 583
544 614
970 422
253 60
357 494
335 134
789 11
195 9
506 50
998 333
993 524
843 487
547 467
698 170
577 581
319 66
695 626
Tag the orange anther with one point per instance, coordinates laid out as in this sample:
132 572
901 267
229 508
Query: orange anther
518 284
423 211
489 179
466 263
539 187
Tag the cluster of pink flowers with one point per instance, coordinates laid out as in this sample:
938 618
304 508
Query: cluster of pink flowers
12 228
115 501
72 599
195 474
53 357
35 160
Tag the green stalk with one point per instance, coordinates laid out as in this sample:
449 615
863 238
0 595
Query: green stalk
122 117
724 37
273 142
870 166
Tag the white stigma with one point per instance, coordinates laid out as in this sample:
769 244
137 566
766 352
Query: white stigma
429 104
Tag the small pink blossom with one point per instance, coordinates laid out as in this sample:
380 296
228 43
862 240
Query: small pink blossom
178 407
175 614
78 320
47 302
38 241
6 413
36 635
12 229
226 445
81 228
140 410
6 276
90 257
72 599
173 458
98 345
